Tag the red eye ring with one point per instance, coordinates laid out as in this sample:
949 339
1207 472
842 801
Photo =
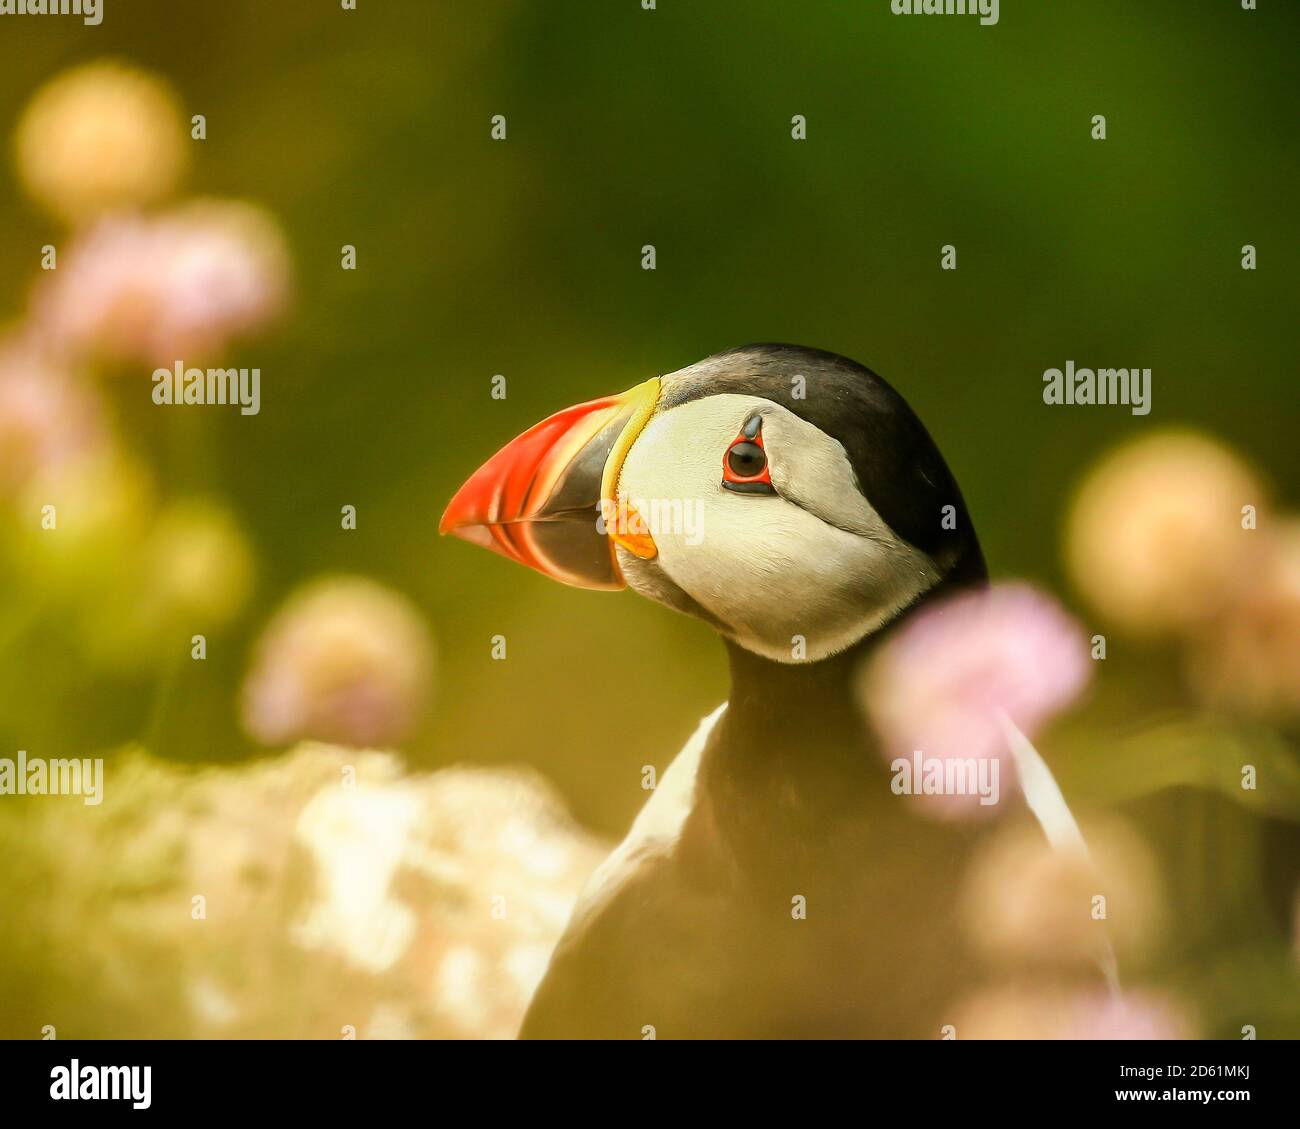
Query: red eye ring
745 468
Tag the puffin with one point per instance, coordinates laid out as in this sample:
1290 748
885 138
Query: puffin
772 886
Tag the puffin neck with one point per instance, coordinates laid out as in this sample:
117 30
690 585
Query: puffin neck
789 760
769 700
797 728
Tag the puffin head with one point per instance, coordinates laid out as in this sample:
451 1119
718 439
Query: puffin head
787 496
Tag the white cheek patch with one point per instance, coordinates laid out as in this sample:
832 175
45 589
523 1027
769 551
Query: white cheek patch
795 577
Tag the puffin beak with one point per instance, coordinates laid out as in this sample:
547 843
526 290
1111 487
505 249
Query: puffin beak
548 499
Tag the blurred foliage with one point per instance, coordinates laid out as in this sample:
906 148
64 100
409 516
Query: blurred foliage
1191 753
266 901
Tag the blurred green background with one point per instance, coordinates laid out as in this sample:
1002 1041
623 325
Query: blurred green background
522 257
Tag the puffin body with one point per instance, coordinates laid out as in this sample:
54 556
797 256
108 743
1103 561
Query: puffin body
773 886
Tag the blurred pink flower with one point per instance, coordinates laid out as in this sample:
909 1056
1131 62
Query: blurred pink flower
46 415
174 287
1247 658
1054 1011
1133 1016
346 660
937 687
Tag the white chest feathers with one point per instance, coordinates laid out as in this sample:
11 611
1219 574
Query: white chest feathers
656 827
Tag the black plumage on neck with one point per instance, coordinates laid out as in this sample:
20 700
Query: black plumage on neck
793 757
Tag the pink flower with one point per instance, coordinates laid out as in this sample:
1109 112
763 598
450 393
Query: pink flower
346 660
1134 1016
175 287
46 415
1247 657
1054 1011
939 686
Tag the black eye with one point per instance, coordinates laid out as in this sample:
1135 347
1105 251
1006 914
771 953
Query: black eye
746 460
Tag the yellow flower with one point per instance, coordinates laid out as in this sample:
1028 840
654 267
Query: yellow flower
99 137
1030 905
81 518
1155 538
200 564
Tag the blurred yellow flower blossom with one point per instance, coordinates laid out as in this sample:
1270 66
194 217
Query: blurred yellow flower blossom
1027 904
99 137
199 564
305 878
81 517
1155 536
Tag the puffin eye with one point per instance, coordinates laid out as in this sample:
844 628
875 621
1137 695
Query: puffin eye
744 467
746 460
